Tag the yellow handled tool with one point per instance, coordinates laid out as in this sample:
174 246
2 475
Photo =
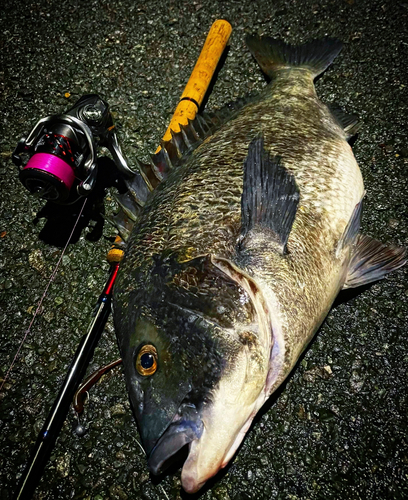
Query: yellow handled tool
200 78
116 252
193 95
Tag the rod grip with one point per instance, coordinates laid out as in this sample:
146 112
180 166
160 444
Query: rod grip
116 251
201 76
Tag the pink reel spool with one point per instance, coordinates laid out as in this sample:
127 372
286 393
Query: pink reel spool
48 176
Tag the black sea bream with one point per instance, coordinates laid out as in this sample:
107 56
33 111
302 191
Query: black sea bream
236 258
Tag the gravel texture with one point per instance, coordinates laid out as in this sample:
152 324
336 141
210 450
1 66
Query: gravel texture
338 428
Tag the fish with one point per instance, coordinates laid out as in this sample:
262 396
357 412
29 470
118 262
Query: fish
245 229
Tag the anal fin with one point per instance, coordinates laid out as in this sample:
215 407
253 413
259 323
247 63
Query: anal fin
372 261
270 195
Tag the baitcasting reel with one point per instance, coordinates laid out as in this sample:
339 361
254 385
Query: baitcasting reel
58 160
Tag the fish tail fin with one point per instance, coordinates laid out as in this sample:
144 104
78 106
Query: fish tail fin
274 55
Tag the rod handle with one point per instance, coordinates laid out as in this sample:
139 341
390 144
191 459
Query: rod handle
197 85
116 251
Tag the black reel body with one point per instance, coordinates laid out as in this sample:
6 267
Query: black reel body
58 160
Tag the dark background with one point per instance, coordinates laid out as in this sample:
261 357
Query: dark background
338 429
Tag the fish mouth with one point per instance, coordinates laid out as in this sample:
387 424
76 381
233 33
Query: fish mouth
197 469
185 427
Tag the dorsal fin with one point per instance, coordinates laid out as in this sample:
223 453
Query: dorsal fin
150 173
122 223
161 164
231 108
138 188
172 154
129 209
191 135
149 176
128 204
175 151
270 195
179 143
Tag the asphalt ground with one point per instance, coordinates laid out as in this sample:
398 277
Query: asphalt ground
338 428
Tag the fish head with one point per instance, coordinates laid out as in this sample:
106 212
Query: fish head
195 362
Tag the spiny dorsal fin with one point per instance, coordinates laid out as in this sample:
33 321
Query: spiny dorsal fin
128 204
122 223
172 154
372 261
149 176
179 143
150 172
270 195
274 55
191 131
191 135
131 201
348 122
161 164
178 148
138 188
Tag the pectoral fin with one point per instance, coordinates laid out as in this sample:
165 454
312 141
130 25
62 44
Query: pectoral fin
371 261
270 196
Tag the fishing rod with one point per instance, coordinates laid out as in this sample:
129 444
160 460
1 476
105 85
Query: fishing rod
62 167
53 424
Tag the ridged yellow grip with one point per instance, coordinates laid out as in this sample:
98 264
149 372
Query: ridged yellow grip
201 76
115 254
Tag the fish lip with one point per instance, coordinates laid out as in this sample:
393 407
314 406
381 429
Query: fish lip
186 427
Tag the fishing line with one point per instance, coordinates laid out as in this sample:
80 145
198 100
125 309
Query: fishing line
144 453
52 278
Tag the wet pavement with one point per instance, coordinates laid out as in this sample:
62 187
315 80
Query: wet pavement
338 428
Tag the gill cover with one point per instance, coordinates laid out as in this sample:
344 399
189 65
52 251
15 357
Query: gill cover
186 311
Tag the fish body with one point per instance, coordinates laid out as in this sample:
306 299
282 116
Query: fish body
236 259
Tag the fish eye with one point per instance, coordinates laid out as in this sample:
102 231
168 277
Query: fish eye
146 361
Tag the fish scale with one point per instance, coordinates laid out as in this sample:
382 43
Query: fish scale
214 189
235 260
